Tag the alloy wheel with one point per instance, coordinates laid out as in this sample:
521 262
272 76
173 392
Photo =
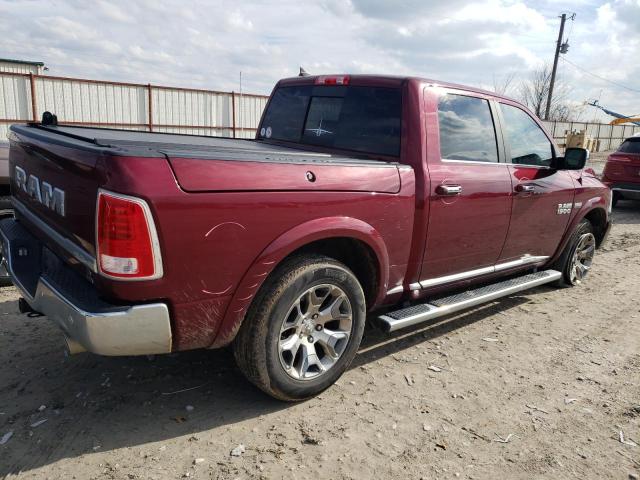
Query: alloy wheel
315 332
582 258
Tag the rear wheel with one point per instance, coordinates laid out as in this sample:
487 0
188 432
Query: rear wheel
577 257
303 329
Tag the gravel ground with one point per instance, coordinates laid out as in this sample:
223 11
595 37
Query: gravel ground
544 384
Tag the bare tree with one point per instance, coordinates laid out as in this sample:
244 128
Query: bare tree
503 86
534 91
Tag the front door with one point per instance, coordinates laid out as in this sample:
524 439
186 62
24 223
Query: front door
470 190
542 196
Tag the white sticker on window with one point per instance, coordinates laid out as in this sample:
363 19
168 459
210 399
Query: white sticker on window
319 131
262 131
268 132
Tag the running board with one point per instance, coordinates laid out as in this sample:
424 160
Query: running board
395 320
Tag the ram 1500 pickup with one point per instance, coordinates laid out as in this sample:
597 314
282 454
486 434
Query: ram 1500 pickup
405 197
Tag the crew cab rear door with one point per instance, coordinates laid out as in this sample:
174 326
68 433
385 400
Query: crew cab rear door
470 188
542 196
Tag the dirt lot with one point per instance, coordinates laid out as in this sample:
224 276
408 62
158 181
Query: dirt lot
538 385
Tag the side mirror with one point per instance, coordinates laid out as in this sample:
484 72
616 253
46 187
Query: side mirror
574 159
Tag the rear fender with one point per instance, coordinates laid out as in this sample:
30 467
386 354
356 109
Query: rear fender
289 242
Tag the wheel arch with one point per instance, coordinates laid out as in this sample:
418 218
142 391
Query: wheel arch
346 239
599 220
593 211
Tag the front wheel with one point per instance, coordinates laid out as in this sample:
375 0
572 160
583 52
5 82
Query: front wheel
303 328
577 257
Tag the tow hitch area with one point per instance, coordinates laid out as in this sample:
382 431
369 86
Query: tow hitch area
24 307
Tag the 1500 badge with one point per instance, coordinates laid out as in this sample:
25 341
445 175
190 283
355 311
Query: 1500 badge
564 208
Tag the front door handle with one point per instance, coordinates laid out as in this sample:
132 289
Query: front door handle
449 190
525 188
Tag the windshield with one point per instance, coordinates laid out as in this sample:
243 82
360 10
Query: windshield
362 119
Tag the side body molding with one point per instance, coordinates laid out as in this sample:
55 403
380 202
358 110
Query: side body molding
288 242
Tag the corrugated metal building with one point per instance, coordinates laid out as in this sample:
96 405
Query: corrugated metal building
21 66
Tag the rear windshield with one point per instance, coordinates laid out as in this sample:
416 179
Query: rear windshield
362 119
630 146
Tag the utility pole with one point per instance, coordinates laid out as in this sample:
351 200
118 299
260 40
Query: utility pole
560 48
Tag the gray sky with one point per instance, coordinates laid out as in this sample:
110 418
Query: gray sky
207 43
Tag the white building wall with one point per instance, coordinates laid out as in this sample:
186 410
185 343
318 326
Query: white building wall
119 105
18 67
91 102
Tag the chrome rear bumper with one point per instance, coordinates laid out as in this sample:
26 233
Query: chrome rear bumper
628 190
51 287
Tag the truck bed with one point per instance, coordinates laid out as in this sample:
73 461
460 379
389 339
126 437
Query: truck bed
146 144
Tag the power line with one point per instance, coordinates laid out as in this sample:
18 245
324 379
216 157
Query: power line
601 78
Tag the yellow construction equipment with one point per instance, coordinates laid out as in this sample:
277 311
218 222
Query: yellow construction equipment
620 118
620 121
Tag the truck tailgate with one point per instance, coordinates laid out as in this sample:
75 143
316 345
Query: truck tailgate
40 165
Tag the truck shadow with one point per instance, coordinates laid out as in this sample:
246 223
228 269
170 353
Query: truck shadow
626 212
376 344
97 404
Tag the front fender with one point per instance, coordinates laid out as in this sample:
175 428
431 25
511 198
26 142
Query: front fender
289 242
597 202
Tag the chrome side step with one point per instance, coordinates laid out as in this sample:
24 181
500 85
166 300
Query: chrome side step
395 320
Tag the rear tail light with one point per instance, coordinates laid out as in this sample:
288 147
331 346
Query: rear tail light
126 239
332 80
613 167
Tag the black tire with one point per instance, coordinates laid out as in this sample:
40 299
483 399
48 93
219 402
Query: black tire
6 211
565 264
257 347
615 196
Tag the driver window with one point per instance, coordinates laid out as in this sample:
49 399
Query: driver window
529 145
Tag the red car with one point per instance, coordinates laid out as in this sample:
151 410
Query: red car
405 197
622 171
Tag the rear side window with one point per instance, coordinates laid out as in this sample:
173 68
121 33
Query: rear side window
630 146
529 145
361 119
286 113
466 129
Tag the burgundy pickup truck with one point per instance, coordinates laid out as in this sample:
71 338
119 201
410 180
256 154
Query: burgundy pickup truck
405 197
622 171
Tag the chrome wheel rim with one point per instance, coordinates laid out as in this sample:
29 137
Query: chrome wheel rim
582 258
315 332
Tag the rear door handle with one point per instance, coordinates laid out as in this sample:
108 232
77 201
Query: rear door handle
525 188
449 190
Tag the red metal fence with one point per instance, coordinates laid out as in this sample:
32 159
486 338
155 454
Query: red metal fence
79 101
